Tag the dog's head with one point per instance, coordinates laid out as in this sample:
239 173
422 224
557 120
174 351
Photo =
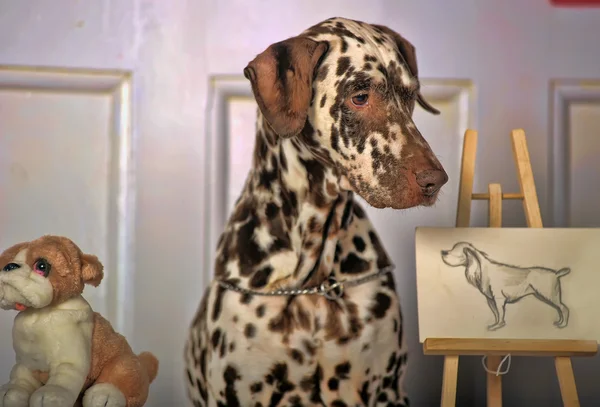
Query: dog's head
45 271
459 254
349 90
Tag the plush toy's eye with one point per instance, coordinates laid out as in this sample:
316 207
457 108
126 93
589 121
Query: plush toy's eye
11 267
360 100
42 267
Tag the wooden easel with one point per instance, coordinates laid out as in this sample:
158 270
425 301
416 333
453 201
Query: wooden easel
494 349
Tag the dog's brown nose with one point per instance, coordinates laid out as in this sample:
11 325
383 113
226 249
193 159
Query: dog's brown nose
431 181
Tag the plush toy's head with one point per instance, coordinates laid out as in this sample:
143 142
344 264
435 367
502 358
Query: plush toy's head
48 270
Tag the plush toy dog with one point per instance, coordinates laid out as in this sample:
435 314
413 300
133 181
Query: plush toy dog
66 354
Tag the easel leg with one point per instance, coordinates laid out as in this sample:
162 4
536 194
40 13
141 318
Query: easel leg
495 215
467 175
566 380
449 381
525 176
494 383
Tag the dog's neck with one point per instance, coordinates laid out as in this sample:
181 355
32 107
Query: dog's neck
77 307
284 228
291 172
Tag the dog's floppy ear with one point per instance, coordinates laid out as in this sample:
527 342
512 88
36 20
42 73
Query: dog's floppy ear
281 79
409 54
92 271
470 255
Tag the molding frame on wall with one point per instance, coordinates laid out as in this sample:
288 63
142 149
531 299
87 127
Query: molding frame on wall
225 89
563 93
117 286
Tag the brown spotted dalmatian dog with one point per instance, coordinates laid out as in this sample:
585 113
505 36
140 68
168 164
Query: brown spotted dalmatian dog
334 119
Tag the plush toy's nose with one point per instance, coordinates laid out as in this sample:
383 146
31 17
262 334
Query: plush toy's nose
444 252
11 267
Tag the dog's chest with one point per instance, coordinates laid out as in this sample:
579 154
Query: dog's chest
32 334
40 336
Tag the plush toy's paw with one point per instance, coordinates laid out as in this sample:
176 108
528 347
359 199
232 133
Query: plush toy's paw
104 395
52 396
13 396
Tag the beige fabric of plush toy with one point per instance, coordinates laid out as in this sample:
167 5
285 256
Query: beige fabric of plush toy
66 354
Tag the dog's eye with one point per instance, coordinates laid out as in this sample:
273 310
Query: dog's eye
11 267
360 100
42 267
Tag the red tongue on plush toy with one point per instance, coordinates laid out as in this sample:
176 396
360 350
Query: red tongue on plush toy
20 307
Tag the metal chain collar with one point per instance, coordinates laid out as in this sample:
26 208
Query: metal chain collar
330 288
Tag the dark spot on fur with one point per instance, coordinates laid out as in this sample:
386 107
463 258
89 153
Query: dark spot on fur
391 362
382 258
297 356
323 101
310 348
261 277
295 401
359 243
230 375
282 55
256 387
249 253
347 215
279 373
335 137
218 303
342 370
322 74
246 298
364 392
359 212
353 264
343 64
344 46
260 311
381 306
313 384
271 210
338 252
250 331
314 226
223 347
203 363
215 338
333 384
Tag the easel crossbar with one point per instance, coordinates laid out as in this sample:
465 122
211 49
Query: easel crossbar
486 197
516 347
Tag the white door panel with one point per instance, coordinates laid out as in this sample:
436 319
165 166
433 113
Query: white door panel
65 157
153 215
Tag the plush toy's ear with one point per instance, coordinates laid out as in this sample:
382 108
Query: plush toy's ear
409 54
281 79
92 271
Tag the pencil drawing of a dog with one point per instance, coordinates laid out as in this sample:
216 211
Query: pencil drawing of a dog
503 284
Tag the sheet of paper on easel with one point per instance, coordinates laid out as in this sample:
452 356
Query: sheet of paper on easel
512 283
